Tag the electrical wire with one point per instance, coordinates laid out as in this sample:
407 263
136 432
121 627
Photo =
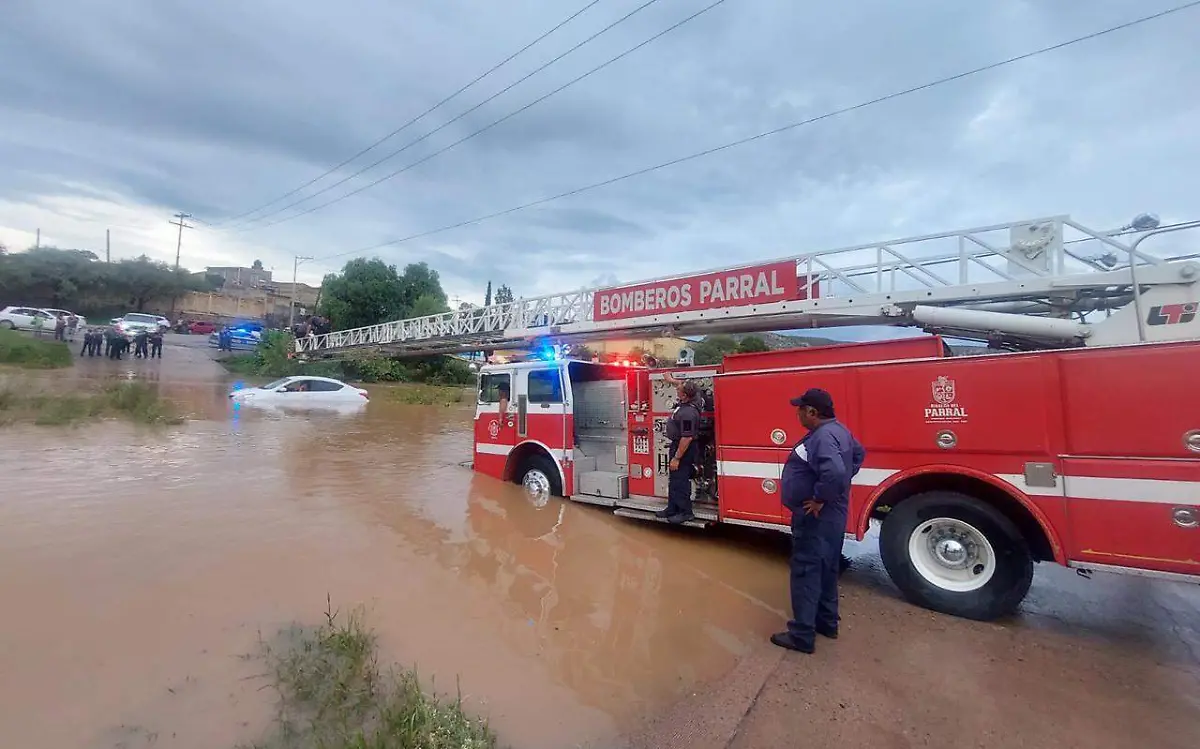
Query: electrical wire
414 120
776 131
444 125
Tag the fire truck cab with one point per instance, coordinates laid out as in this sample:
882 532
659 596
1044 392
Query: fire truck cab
568 429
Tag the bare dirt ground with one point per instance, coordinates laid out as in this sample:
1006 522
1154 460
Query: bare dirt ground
1111 662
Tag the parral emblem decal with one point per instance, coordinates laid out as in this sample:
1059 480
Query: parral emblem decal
944 409
494 428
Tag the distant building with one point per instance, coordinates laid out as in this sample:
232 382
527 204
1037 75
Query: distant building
269 302
246 278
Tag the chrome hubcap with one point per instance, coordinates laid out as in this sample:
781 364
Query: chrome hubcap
951 553
537 487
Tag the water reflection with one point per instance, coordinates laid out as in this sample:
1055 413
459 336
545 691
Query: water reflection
619 612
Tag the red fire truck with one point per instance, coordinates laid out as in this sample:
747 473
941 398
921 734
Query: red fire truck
1073 442
977 466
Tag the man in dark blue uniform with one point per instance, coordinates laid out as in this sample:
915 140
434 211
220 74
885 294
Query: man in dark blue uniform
816 488
682 430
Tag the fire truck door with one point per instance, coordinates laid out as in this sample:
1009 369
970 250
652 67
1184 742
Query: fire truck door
495 433
1132 480
541 407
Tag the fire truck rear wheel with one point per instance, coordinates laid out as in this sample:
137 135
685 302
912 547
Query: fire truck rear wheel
539 477
956 554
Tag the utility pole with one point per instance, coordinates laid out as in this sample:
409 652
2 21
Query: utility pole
181 223
108 245
37 243
295 267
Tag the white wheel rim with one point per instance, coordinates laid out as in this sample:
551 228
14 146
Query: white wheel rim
537 487
952 555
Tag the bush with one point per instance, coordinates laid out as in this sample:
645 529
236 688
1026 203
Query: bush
33 353
333 695
431 370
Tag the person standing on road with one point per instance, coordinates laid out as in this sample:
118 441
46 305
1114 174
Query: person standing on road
60 328
682 429
72 326
156 344
140 341
816 488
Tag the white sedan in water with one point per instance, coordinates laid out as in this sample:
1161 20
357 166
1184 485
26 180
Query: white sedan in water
301 391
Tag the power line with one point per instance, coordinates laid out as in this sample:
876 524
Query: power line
776 131
414 120
404 148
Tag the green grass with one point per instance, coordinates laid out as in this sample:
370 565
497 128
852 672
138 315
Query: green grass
33 353
334 695
424 395
132 401
243 364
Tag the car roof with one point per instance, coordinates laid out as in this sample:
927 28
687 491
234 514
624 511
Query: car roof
314 377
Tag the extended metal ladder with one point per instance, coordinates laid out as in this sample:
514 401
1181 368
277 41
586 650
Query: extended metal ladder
1041 266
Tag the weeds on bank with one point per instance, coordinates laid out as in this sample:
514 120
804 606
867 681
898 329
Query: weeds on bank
132 401
333 695
33 353
426 395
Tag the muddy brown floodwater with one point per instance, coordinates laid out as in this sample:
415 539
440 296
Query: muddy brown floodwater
137 567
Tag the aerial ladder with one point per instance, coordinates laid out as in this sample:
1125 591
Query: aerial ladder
1026 284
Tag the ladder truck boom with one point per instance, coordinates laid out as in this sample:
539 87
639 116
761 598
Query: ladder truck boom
1039 266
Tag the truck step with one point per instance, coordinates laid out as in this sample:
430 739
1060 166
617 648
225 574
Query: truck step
589 500
644 515
702 510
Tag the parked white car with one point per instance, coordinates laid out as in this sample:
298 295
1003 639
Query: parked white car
133 323
301 392
21 318
82 320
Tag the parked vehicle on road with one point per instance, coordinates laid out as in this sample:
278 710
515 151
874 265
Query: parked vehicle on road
243 335
132 323
68 313
201 327
22 318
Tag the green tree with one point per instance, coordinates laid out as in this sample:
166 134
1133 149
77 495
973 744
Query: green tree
752 344
426 305
146 279
419 280
76 279
367 292
714 348
487 298
504 295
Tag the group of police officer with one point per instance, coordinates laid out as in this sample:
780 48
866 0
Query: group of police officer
816 489
115 345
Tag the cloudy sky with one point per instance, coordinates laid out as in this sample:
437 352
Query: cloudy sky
117 114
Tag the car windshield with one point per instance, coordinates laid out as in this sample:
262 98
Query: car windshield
134 317
277 384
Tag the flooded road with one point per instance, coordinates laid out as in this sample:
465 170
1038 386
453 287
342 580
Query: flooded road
138 567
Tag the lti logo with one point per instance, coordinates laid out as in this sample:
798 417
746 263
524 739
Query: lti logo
1172 314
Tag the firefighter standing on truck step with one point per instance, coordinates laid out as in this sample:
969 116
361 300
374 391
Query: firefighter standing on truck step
816 488
682 429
